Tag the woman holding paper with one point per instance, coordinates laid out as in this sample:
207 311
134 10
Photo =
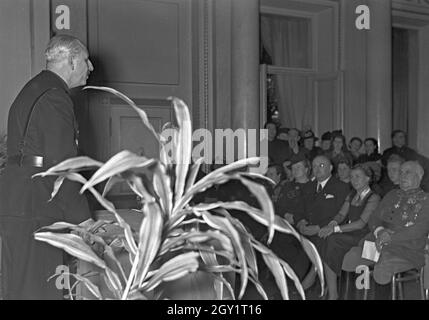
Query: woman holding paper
348 227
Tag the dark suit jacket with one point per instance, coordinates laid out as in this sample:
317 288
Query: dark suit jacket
322 207
24 201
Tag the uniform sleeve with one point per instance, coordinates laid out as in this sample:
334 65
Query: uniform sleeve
57 125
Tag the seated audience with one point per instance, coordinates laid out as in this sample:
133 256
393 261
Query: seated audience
290 205
391 180
294 137
339 151
343 170
275 173
326 142
399 147
399 227
325 201
278 150
348 227
371 151
355 145
310 149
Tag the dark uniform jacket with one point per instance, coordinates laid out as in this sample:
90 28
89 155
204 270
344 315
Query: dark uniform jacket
24 205
406 213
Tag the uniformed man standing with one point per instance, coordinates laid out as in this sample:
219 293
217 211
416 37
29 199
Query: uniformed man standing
42 132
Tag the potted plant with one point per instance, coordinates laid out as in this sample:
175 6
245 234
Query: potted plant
177 241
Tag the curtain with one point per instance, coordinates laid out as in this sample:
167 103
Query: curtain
400 79
287 41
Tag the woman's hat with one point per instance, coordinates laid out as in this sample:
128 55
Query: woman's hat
309 134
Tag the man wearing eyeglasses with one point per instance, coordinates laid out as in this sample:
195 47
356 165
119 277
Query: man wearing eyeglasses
327 197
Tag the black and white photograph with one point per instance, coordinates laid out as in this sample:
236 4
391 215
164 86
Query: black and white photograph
214 154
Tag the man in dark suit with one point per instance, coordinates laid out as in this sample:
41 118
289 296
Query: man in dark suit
42 132
323 204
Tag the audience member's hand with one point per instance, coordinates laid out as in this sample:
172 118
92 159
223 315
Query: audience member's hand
310 230
301 223
289 218
383 238
326 231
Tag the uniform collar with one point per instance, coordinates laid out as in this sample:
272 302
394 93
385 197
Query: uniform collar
324 182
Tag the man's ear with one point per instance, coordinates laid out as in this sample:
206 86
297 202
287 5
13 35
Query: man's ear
72 63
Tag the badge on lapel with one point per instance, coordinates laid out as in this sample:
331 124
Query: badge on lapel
329 196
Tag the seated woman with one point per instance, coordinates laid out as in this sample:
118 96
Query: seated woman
355 145
371 151
344 170
348 227
339 151
290 205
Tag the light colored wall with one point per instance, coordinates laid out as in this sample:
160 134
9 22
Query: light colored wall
24 32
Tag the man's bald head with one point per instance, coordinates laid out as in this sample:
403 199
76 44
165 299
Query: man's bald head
322 168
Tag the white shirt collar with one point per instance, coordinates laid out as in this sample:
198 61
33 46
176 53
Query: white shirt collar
324 182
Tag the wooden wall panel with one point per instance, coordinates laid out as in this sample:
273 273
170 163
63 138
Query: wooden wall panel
142 47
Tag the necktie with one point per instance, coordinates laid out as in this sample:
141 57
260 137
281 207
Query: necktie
319 188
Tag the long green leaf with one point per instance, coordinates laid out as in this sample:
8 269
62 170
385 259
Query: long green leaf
223 224
143 116
136 184
279 224
193 173
276 269
149 239
196 236
220 278
73 245
57 185
287 269
265 202
113 180
183 146
113 282
88 283
218 176
76 163
131 245
259 288
174 269
162 186
246 238
314 256
119 163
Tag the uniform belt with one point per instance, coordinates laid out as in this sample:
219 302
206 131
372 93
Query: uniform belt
32 161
